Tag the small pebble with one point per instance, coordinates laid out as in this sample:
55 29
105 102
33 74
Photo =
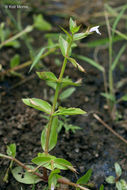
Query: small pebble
86 99
105 107
76 150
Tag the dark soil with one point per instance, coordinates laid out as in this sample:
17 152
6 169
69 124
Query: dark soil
91 147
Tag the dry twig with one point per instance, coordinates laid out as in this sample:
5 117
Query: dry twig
109 128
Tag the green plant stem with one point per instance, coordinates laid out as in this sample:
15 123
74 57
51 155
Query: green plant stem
106 90
56 98
110 68
53 108
110 54
5 179
111 83
19 25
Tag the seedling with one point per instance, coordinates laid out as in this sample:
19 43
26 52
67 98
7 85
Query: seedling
119 183
29 174
11 151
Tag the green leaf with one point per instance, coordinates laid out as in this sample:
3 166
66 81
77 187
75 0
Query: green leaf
63 164
43 138
15 61
66 82
118 169
60 125
56 171
91 62
69 111
71 127
109 96
53 177
116 61
14 44
66 32
2 33
38 104
124 184
47 155
73 26
51 84
85 178
101 187
41 24
119 185
11 150
42 161
63 46
76 29
124 98
37 58
41 55
49 76
53 135
74 62
54 36
79 36
66 93
100 42
24 176
110 179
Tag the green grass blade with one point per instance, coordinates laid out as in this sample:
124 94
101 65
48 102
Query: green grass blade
101 42
33 186
115 62
124 36
110 9
37 58
118 18
91 62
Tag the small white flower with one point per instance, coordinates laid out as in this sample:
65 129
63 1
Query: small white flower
95 29
52 186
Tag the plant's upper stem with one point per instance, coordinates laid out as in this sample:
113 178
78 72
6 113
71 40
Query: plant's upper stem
56 98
